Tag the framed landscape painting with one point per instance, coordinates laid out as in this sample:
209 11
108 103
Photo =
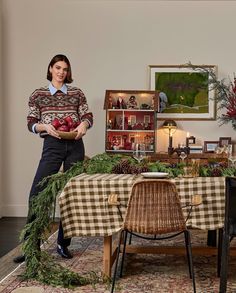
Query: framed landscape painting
184 92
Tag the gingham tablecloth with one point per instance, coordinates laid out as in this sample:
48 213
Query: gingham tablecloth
85 210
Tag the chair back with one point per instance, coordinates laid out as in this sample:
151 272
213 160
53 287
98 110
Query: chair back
230 205
154 208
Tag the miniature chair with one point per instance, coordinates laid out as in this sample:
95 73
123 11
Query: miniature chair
229 231
154 212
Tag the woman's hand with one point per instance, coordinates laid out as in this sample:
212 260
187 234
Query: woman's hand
81 129
48 128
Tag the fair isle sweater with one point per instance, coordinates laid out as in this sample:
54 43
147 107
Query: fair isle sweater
44 107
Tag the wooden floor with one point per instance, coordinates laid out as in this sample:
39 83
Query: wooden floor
10 228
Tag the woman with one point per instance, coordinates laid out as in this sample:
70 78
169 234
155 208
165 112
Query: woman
57 102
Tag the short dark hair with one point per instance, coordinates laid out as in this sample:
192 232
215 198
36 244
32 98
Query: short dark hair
56 59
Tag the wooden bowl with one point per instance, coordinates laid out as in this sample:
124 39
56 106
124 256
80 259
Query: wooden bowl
67 135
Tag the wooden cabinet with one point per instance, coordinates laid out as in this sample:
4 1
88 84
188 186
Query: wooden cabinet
130 119
205 158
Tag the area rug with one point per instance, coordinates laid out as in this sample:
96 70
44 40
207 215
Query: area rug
142 273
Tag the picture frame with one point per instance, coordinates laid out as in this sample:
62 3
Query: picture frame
132 119
117 141
184 92
224 141
210 146
146 119
191 140
132 137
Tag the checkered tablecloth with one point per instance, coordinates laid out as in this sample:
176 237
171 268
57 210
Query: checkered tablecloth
85 210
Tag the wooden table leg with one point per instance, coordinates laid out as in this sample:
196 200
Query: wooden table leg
211 238
107 255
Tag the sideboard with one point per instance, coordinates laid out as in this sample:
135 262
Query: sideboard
204 157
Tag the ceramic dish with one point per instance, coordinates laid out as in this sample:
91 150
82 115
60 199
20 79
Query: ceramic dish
67 135
155 174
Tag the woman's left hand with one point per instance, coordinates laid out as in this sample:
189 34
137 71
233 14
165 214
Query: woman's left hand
81 129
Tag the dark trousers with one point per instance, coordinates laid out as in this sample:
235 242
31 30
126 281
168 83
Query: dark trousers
55 153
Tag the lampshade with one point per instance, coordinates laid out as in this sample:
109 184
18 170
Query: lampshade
170 124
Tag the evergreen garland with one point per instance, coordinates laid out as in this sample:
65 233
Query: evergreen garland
39 264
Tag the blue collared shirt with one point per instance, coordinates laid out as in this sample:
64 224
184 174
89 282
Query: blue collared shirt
52 90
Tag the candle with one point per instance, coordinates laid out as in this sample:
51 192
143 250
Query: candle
187 140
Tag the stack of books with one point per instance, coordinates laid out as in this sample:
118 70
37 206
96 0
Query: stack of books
196 149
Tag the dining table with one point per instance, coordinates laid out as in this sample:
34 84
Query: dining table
95 205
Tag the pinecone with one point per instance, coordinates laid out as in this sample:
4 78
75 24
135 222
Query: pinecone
123 167
126 167
216 172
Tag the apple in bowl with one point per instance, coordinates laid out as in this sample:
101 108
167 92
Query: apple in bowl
65 127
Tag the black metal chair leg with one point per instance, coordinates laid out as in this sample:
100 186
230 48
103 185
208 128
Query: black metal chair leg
123 254
219 255
224 263
130 238
190 256
187 252
116 263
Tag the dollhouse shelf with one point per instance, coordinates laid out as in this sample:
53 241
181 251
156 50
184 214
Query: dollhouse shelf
130 119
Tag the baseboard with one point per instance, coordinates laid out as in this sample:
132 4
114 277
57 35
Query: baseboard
19 211
14 210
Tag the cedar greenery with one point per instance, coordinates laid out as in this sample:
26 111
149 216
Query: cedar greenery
225 94
39 264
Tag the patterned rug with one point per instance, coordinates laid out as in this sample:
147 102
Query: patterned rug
142 273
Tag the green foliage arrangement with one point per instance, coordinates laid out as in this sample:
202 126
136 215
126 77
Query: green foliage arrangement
225 94
41 266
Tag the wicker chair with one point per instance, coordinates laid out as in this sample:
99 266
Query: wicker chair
154 211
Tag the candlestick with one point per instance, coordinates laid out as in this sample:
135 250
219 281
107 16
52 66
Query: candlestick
170 140
187 140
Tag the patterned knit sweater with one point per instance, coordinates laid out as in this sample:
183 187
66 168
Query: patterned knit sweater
44 107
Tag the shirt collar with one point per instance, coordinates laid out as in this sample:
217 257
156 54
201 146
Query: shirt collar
53 90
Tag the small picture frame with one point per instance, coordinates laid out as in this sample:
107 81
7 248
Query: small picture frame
224 141
132 137
191 139
210 146
146 119
117 141
132 119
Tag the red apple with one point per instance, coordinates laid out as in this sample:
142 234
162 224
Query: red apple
63 128
68 120
74 125
62 122
56 123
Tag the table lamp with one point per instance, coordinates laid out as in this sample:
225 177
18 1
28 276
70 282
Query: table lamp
171 126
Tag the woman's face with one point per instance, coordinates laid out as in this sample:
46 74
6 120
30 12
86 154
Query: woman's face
59 71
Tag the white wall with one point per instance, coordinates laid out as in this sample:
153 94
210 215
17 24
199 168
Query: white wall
1 111
110 45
